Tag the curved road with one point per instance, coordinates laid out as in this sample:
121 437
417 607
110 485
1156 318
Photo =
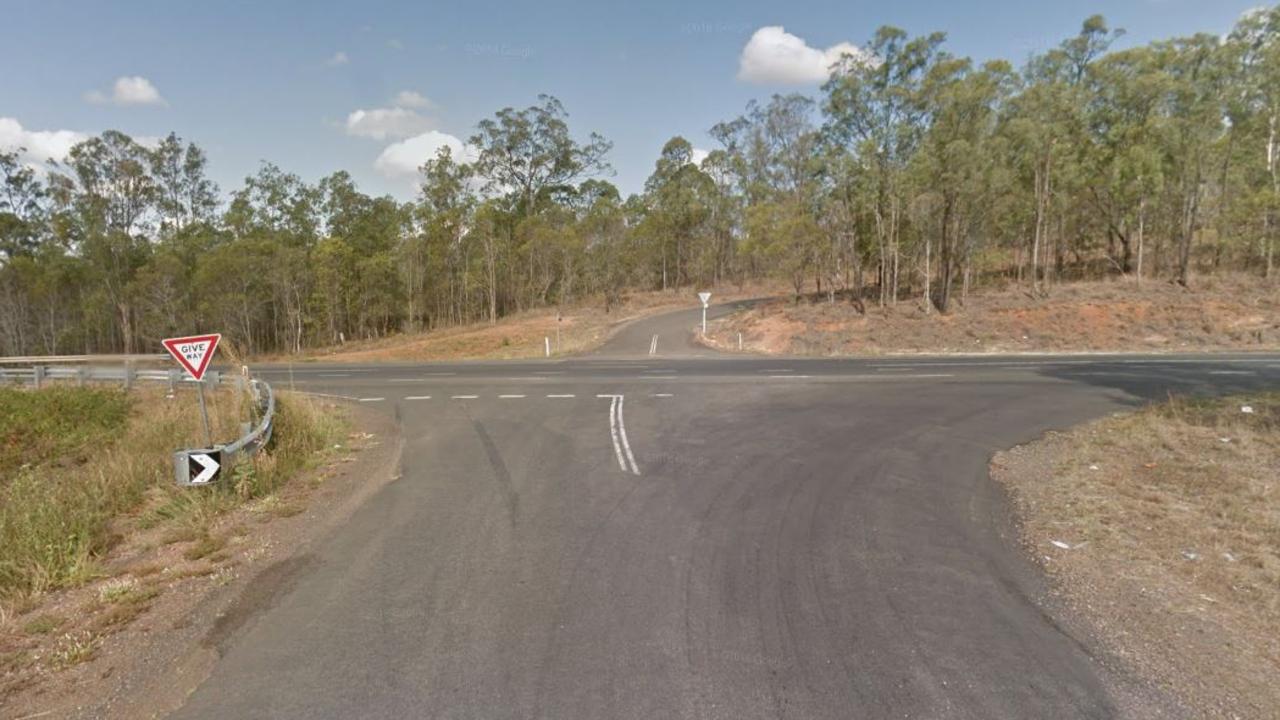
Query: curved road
628 535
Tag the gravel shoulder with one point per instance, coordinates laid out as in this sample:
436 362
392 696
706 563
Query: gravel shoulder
1160 532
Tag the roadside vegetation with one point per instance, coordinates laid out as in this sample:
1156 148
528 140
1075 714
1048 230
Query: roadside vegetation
1226 312
913 176
1161 529
87 497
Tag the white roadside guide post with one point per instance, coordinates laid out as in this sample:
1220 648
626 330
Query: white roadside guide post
704 297
193 354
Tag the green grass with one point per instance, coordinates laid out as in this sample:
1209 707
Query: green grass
59 517
58 423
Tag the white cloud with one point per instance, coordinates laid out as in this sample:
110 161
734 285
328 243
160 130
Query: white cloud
41 145
383 123
410 99
395 44
402 159
339 58
774 56
128 90
698 155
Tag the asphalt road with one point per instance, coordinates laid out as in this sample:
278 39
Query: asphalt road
645 533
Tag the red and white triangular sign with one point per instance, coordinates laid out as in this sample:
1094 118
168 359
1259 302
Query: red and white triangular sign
193 353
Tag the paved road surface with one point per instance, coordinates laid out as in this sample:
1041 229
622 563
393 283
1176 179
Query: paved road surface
636 535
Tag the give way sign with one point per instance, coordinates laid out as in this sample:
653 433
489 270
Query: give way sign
193 353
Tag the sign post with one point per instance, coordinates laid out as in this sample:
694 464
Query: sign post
193 354
704 297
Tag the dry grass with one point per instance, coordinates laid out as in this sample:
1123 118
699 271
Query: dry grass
91 535
1171 518
61 513
1236 312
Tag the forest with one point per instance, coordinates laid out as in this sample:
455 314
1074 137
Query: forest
913 175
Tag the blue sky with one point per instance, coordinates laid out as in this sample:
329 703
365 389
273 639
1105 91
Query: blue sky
279 81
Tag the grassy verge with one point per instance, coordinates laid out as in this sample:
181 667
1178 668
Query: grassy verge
1162 529
84 469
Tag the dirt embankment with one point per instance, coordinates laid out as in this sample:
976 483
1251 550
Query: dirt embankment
1234 312
1160 530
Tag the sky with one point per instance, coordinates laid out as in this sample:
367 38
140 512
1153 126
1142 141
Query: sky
374 87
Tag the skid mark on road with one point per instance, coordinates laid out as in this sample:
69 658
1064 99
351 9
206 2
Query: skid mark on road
500 472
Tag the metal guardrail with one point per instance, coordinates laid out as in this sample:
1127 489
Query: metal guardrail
204 466
38 375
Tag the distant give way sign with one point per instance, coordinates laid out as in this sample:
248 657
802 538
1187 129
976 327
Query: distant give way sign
193 353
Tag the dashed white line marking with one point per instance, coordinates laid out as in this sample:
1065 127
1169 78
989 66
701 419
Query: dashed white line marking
562 396
441 374
1232 372
791 377
658 377
510 397
465 397
377 399
326 395
660 370
417 397
332 374
661 395
548 372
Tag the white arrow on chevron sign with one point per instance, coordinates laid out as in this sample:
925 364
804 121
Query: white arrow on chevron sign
209 468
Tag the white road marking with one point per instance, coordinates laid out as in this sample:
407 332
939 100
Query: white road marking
548 372
333 374
326 395
1232 372
622 430
613 431
653 346
658 377
441 374
465 397
660 370
377 399
417 397
793 377
509 397
404 380
776 370
561 396
618 431
661 395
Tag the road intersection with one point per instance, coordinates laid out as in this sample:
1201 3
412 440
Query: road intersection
656 530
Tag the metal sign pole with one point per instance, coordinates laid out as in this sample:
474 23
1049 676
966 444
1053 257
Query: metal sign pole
704 321
204 414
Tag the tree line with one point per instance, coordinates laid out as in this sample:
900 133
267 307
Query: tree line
913 175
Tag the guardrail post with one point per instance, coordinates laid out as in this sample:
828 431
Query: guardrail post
80 373
128 375
173 381
37 375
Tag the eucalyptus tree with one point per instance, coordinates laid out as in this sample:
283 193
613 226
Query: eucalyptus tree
874 107
954 157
